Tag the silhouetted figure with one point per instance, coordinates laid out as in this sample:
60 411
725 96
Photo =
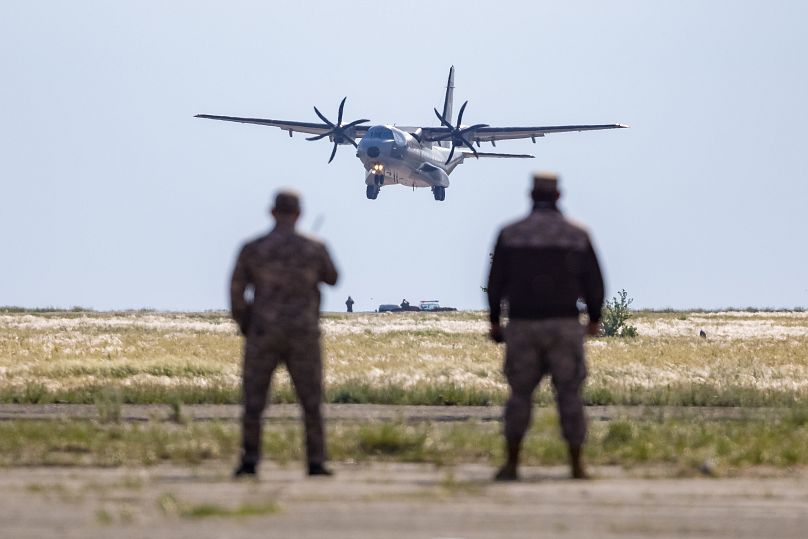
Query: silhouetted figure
405 304
281 324
349 304
702 334
542 264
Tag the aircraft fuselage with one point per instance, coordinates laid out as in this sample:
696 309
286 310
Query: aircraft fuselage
393 156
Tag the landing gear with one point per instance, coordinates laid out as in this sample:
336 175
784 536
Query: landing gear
439 193
373 191
378 179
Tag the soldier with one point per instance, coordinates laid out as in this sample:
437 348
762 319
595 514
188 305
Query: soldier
281 324
349 304
541 266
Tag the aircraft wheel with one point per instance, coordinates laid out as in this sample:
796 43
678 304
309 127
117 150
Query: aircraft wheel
372 192
439 193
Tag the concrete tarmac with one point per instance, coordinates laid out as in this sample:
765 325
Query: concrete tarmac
393 501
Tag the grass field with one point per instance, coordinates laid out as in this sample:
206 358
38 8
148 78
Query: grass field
683 446
747 359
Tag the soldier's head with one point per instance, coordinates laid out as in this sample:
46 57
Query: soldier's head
286 208
545 187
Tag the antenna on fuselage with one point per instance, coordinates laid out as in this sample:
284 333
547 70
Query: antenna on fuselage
447 102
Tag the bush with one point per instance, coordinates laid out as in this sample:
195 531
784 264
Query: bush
615 315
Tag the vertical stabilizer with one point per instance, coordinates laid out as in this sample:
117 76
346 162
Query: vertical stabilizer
447 101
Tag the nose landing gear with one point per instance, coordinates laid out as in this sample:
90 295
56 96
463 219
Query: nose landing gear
373 191
439 193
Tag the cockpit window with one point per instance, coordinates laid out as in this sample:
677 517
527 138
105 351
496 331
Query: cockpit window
380 132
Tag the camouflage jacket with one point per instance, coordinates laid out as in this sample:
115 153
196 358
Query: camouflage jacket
542 264
283 269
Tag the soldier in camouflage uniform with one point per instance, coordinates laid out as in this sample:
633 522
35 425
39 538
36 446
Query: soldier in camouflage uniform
541 265
283 270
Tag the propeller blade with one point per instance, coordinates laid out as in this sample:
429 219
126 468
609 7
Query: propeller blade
323 118
469 146
354 123
443 120
471 128
333 153
318 137
451 153
460 115
349 139
341 107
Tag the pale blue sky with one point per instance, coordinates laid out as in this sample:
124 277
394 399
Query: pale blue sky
114 196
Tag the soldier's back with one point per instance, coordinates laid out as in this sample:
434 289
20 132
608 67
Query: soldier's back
545 256
285 269
545 229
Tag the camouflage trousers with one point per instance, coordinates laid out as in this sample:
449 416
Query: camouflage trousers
300 352
535 348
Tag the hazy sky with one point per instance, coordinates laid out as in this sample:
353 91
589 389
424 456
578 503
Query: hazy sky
114 196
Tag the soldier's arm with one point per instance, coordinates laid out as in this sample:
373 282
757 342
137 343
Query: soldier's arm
592 284
328 272
496 282
239 307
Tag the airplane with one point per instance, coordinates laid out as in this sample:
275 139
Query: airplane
413 156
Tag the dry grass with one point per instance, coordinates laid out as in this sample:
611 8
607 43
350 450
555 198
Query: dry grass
747 359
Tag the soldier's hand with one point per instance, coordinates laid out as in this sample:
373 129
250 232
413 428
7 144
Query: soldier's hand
496 333
593 329
244 322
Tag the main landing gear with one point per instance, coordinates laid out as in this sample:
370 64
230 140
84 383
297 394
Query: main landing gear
439 193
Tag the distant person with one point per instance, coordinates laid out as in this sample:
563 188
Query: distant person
281 323
541 265
349 304
405 304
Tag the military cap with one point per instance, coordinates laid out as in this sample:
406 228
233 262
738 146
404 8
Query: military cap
545 183
287 201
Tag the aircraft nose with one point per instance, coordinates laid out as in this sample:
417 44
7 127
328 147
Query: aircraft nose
373 151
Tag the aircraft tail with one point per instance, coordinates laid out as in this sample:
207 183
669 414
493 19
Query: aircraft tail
447 102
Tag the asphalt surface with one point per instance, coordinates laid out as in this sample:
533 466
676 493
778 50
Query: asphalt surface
394 501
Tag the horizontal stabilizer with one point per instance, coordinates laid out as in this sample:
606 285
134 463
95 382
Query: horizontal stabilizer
501 155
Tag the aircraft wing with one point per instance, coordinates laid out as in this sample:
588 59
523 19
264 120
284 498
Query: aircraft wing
500 155
297 127
488 134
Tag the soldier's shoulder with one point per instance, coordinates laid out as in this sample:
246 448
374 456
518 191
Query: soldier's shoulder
577 226
515 225
255 242
309 240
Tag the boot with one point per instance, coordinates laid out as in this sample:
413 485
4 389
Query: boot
576 463
508 471
319 469
245 469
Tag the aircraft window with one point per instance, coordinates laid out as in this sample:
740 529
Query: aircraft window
381 132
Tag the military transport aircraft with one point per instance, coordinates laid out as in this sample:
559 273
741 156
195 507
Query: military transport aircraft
413 156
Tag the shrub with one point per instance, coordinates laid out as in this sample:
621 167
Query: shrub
615 315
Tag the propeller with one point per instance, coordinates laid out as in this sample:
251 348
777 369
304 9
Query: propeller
457 134
338 131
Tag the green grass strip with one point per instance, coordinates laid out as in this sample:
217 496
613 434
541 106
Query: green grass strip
682 443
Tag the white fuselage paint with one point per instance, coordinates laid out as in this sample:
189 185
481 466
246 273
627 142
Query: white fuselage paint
401 159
